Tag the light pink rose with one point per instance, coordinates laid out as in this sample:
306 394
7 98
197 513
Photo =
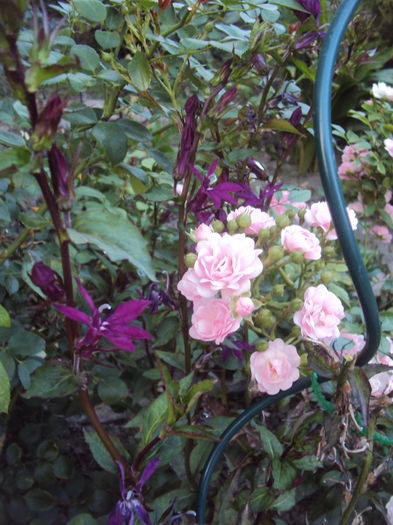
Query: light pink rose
212 320
188 285
389 210
357 207
355 345
382 383
297 238
389 146
276 368
349 171
225 264
388 195
319 215
244 306
321 314
259 219
282 204
381 90
202 232
382 233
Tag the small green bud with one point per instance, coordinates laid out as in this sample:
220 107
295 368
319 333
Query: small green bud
297 256
232 226
327 277
263 234
243 220
273 231
296 304
291 213
278 289
275 253
189 259
261 345
282 221
301 213
295 332
328 252
218 226
265 319
320 265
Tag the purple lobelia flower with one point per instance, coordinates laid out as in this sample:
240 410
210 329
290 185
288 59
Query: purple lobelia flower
113 327
48 121
187 146
130 504
308 38
235 349
49 281
312 6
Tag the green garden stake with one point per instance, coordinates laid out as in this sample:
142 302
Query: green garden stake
335 199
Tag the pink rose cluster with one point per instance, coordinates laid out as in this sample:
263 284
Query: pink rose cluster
282 204
353 163
319 215
276 368
219 283
260 220
321 314
296 238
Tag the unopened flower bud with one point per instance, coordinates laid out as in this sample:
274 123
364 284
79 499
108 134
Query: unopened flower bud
291 213
265 319
261 345
301 213
278 289
263 234
218 226
328 252
243 220
244 306
232 226
297 257
282 221
189 259
327 277
320 265
296 304
49 281
274 254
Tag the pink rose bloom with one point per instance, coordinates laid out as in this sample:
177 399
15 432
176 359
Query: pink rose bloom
187 286
382 383
276 368
244 306
225 264
388 195
297 238
349 171
321 314
382 233
319 215
357 207
212 320
389 146
356 344
381 90
202 232
389 210
259 219
278 205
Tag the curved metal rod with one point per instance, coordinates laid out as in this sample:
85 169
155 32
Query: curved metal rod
335 199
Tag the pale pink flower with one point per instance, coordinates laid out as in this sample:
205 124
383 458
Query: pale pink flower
389 511
188 285
202 232
321 314
212 320
179 188
382 233
381 90
260 220
225 264
282 204
388 195
296 238
389 210
319 215
349 171
276 368
349 154
382 383
357 207
356 344
389 146
244 306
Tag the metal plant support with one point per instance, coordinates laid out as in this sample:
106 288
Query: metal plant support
335 199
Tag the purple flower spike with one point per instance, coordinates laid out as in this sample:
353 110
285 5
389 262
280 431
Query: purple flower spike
186 153
312 6
59 172
309 38
113 327
228 97
48 121
130 503
49 281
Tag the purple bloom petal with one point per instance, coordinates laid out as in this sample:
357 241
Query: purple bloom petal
73 313
49 281
141 512
212 168
130 331
307 39
128 311
86 295
120 342
148 471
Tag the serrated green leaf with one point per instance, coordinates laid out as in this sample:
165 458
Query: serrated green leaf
153 417
134 130
99 452
285 501
340 292
5 389
270 443
196 391
115 235
140 71
5 320
261 498
52 380
283 474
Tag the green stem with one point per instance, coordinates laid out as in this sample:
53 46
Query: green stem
363 475
287 280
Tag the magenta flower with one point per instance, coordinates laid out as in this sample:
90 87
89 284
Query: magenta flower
130 503
113 327
312 6
49 281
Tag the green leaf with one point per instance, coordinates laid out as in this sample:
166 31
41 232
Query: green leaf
33 220
39 500
279 124
26 343
14 158
193 432
196 391
5 320
303 68
37 73
286 501
25 369
283 474
99 452
82 519
7 138
307 463
291 4
135 130
270 443
115 235
152 417
112 139
140 71
52 380
361 390
340 292
107 39
261 498
82 118
5 389
92 10
89 58
112 390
